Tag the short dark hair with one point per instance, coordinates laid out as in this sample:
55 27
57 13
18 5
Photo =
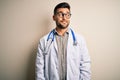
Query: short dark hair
61 5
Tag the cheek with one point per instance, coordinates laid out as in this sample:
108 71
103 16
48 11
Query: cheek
68 21
58 20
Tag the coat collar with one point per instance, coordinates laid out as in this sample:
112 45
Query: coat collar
70 40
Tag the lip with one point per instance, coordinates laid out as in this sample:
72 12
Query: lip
63 21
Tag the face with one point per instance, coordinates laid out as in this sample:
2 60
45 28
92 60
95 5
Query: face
62 18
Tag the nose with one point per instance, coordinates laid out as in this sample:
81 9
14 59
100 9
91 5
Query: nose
64 16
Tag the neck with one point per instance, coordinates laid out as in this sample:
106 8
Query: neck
61 31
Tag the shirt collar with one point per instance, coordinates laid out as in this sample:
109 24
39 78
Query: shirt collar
56 33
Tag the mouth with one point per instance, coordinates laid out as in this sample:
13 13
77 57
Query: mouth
64 22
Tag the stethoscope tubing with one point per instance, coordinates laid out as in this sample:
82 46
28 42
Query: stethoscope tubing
51 35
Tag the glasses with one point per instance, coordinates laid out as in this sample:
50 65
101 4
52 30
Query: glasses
61 15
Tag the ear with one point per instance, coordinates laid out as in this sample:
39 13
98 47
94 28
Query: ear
54 17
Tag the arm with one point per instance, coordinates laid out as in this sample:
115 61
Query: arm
85 72
40 64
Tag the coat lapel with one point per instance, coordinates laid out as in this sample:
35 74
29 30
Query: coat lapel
55 45
70 42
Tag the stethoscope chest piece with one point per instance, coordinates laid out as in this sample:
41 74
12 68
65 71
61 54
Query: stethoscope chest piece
75 43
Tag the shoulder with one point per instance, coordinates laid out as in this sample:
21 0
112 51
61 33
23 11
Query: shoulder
77 35
80 38
43 40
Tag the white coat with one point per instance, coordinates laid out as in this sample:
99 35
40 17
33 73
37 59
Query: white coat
78 60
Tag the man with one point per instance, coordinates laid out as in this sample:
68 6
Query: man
62 54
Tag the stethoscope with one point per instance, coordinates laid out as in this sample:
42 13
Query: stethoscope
51 37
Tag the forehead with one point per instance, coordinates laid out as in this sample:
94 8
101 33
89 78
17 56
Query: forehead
64 10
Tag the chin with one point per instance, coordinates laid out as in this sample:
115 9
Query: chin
62 26
65 26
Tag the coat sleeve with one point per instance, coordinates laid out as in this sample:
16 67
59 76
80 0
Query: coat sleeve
85 71
40 63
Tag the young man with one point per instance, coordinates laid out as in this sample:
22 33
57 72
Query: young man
62 54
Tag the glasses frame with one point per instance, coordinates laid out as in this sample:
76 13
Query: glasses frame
66 15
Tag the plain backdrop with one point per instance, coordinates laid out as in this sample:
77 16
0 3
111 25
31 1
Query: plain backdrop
24 22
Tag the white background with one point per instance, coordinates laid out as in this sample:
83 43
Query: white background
24 22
